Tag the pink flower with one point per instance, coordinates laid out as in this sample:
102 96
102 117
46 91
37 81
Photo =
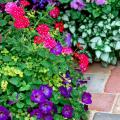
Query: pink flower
14 10
9 6
49 42
22 22
67 50
54 13
43 29
100 2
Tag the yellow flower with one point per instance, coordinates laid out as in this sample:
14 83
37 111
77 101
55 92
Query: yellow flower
4 85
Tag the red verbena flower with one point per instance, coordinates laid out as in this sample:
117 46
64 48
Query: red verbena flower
83 62
38 40
43 29
59 26
22 22
24 3
54 13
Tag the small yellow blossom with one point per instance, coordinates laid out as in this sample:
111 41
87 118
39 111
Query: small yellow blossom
4 85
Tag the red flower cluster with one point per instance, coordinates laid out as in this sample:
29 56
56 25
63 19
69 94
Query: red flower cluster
44 37
18 13
43 29
59 26
24 3
83 61
54 13
38 40
22 22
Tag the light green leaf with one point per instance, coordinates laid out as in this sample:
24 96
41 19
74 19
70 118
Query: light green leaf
107 48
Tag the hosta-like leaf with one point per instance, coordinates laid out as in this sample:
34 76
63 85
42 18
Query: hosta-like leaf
117 47
107 48
98 54
117 23
96 39
72 29
105 57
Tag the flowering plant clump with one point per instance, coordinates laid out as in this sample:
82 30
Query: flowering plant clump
39 76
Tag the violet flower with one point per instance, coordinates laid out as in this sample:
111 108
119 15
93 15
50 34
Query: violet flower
4 113
67 111
66 92
37 113
37 96
57 50
68 39
77 4
47 91
100 2
46 107
48 117
86 98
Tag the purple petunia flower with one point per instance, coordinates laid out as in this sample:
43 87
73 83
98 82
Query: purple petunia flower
100 2
4 113
37 96
65 91
46 107
48 117
47 90
86 98
67 111
68 39
77 4
57 50
37 113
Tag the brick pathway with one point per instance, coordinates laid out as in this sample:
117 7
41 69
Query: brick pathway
105 88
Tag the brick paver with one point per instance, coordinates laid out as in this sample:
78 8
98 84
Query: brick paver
104 85
98 68
116 108
113 84
106 116
97 82
102 102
